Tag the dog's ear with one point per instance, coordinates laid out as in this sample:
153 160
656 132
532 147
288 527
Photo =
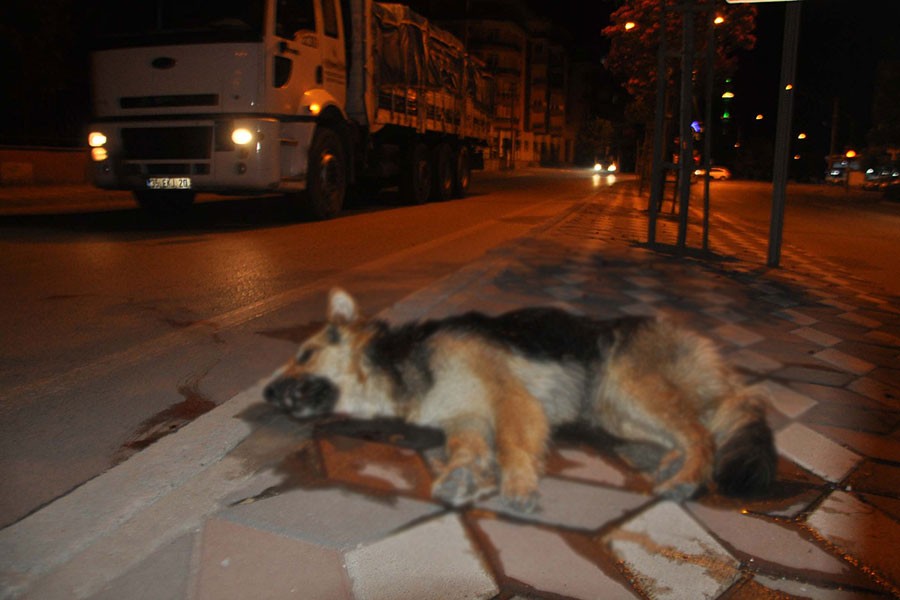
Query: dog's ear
342 308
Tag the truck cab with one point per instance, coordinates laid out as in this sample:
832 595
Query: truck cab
217 96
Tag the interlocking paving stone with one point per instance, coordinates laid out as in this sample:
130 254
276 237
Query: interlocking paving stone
876 477
868 444
544 561
329 517
814 374
797 316
671 556
787 401
378 466
860 530
573 504
433 560
242 562
769 541
845 361
816 336
753 361
803 589
164 575
578 464
737 335
815 452
855 317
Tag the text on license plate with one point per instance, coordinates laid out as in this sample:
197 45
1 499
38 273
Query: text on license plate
169 183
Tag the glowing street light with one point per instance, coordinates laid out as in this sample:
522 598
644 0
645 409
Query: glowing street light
629 25
759 117
719 20
802 136
728 95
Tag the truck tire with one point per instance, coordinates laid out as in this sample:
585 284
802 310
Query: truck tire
326 175
462 172
415 177
444 169
164 203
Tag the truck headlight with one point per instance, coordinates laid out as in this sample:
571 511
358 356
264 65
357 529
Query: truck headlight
241 136
96 139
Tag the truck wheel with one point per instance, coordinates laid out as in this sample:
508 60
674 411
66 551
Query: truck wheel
415 179
326 175
442 187
462 173
164 203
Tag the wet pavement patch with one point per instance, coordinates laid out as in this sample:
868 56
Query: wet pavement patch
167 421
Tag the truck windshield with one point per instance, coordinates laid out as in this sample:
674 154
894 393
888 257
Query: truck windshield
155 22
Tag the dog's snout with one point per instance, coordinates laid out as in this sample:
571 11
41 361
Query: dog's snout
276 390
304 396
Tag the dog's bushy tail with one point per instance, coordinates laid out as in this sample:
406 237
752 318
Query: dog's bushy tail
746 460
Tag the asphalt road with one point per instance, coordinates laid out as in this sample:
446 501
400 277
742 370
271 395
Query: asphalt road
116 331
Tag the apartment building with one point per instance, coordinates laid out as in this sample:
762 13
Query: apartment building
530 72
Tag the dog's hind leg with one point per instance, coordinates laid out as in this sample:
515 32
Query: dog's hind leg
646 408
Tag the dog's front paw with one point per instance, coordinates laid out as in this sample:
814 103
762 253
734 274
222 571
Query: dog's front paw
461 486
519 490
525 504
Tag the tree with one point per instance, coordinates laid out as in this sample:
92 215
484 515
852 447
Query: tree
633 50
885 132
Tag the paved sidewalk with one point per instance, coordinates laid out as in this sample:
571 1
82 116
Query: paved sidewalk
245 503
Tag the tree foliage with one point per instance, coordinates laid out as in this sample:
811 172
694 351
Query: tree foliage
633 52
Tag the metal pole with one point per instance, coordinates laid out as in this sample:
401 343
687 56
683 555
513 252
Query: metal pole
685 133
707 130
783 129
657 173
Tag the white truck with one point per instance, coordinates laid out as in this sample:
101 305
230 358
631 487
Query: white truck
311 98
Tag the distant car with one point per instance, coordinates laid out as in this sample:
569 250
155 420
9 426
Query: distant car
717 173
607 167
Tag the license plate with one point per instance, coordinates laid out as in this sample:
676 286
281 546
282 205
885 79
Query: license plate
169 183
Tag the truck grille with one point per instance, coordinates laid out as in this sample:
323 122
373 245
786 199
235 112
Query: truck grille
161 143
169 101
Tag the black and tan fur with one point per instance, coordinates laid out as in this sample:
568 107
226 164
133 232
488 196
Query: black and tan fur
497 386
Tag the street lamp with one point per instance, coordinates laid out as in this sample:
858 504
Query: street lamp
629 25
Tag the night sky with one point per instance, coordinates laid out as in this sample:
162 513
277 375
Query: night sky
841 43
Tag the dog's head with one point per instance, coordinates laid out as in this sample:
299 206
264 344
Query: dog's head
330 372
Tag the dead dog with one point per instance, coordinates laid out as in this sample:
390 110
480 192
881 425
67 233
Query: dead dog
497 386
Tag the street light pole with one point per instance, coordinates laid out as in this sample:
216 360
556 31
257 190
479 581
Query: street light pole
685 133
783 129
707 132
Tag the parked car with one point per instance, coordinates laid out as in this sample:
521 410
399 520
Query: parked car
879 178
717 173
